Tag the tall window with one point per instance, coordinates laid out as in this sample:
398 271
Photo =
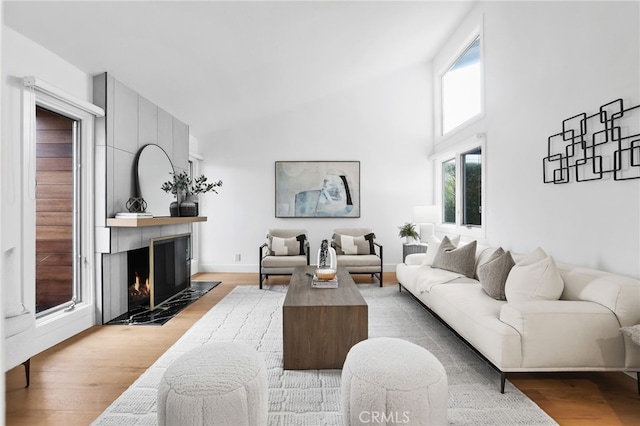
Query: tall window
57 215
59 146
460 186
462 89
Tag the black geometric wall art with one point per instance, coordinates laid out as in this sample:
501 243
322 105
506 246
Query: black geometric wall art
596 146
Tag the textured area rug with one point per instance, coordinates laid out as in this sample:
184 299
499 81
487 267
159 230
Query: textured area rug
312 397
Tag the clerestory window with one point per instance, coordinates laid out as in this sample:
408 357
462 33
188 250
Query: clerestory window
462 88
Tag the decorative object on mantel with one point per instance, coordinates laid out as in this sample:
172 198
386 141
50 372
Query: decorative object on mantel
596 146
408 231
178 187
136 205
200 185
186 191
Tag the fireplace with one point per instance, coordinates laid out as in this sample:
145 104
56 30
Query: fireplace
159 272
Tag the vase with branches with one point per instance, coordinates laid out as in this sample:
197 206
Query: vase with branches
186 191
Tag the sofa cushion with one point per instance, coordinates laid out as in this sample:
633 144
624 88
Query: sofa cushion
359 260
433 245
535 277
493 273
617 292
356 245
291 246
472 314
587 333
288 262
456 259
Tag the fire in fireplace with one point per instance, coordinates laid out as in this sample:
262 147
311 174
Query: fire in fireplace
138 286
158 272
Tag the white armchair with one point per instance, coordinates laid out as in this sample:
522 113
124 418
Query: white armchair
282 252
357 251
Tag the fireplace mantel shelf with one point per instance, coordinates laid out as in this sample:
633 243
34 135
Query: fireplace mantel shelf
153 221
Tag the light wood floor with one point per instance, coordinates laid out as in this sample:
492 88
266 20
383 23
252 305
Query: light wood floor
73 382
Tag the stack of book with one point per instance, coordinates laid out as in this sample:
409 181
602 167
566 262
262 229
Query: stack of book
127 215
317 283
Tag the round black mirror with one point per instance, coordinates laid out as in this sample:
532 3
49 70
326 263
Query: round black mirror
153 168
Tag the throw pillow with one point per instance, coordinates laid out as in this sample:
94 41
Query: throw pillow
535 277
292 246
346 244
354 245
456 259
494 272
433 243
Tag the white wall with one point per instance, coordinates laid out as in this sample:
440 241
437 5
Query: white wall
545 62
384 124
22 57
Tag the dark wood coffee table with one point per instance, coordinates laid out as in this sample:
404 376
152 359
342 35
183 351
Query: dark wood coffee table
320 325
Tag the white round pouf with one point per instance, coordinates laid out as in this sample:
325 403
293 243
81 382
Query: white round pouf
393 381
221 383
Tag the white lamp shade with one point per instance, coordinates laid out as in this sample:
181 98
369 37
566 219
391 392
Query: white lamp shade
427 217
426 214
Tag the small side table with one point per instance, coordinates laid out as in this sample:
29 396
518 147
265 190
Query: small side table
411 248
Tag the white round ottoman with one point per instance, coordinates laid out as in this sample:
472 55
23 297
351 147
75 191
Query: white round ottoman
217 384
393 381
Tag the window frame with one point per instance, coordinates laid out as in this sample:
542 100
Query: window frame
82 310
456 152
463 46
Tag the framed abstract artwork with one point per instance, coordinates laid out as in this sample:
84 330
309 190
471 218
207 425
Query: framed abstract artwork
317 189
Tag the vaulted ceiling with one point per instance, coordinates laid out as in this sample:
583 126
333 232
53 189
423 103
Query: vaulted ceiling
215 64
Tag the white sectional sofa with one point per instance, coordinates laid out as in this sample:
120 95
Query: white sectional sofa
580 331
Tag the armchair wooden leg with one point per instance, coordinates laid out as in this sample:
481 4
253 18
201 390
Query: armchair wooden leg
27 370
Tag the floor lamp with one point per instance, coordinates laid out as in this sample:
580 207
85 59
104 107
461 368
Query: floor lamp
426 217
